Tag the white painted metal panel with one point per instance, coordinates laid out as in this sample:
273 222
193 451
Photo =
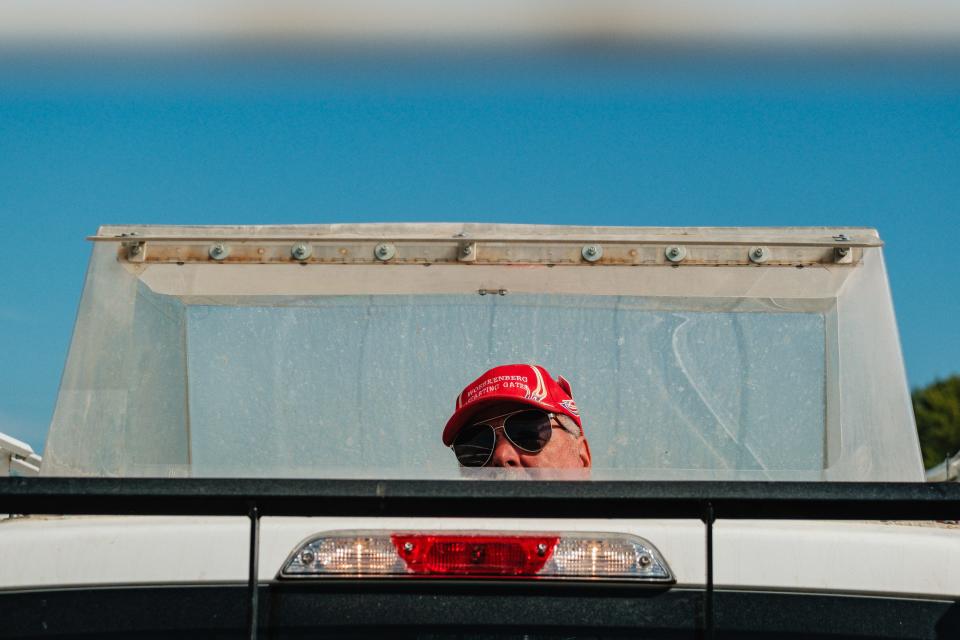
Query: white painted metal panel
918 559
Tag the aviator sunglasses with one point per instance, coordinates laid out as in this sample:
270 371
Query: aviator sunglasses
528 430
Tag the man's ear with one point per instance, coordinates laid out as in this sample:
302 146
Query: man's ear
584 452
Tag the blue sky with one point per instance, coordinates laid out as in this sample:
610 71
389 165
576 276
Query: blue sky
609 137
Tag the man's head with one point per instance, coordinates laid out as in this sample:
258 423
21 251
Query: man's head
517 415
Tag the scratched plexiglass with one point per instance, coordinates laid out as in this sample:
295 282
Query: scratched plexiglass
360 386
367 382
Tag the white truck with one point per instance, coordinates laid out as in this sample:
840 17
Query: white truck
17 457
247 440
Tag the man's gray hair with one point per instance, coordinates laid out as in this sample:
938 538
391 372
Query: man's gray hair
568 424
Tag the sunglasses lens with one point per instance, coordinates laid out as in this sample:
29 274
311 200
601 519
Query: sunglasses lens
529 430
474 444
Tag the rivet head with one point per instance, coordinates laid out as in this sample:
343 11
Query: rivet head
541 549
408 546
384 251
219 251
644 560
307 557
467 249
843 251
759 254
676 253
301 251
592 252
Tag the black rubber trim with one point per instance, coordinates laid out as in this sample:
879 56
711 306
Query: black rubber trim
536 499
464 610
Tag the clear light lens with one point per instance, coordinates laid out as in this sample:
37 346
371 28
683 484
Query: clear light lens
606 556
451 554
346 555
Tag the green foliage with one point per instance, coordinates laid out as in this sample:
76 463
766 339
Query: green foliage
937 408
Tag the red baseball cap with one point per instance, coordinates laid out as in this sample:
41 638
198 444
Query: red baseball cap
521 383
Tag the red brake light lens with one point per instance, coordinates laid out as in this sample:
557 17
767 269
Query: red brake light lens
474 555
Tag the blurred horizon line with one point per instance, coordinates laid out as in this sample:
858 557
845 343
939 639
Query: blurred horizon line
143 22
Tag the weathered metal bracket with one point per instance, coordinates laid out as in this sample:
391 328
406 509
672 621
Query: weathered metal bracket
136 250
490 244
467 252
493 252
